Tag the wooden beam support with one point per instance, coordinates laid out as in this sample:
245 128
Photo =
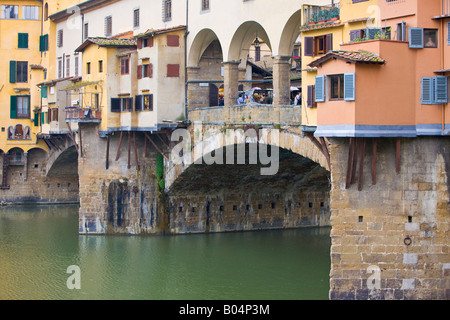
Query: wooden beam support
72 136
81 141
325 151
120 144
354 160
108 138
374 161
397 157
361 164
135 152
129 150
156 146
351 145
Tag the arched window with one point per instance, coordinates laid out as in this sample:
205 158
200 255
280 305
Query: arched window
10 133
46 11
27 133
18 132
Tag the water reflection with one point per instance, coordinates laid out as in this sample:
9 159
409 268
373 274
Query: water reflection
39 244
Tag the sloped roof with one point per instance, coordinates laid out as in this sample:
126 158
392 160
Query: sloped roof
107 42
153 32
359 56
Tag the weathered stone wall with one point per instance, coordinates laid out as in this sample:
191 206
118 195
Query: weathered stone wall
29 183
396 231
255 210
118 199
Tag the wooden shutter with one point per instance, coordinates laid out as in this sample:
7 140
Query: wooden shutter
115 105
36 119
49 116
150 41
56 115
139 43
130 104
416 38
139 72
12 72
310 97
44 92
42 43
354 34
441 93
320 89
427 91
13 107
138 103
173 70
309 46
23 41
173 41
448 33
149 70
329 42
151 102
349 87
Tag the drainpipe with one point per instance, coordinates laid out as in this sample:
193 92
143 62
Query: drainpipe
185 63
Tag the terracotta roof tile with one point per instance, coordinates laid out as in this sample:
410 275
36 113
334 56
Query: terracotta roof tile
107 42
359 56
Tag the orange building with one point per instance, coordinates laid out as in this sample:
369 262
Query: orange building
389 86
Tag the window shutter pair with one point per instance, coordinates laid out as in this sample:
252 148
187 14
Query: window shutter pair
434 90
349 88
309 45
43 43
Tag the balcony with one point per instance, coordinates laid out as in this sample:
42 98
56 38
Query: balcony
445 10
83 115
320 14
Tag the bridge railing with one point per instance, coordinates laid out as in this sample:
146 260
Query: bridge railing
251 113
85 114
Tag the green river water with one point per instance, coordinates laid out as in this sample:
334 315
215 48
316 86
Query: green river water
39 244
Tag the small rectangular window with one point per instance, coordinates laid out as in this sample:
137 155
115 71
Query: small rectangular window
108 26
60 38
126 104
76 66
136 18
336 87
60 71
100 66
86 31
67 66
30 12
22 71
167 10
124 66
23 107
205 5
88 68
430 38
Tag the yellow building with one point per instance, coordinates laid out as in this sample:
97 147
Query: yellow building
325 29
20 31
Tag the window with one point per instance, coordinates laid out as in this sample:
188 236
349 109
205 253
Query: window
318 45
30 12
144 102
43 42
167 10
341 87
145 71
18 71
10 12
336 87
20 107
86 31
108 26
205 5
60 38
423 38
126 104
67 66
434 90
144 42
76 66
88 68
22 41
136 18
60 75
125 66
401 31
54 114
430 38
257 54
100 66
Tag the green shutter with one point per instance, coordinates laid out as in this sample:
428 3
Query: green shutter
23 41
42 117
36 119
12 72
13 107
42 43
44 91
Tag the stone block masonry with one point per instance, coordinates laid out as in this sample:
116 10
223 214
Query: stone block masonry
399 226
29 183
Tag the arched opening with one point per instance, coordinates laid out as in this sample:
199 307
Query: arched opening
205 73
46 11
66 164
236 197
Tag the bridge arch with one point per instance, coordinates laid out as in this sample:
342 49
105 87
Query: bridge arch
201 42
290 33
